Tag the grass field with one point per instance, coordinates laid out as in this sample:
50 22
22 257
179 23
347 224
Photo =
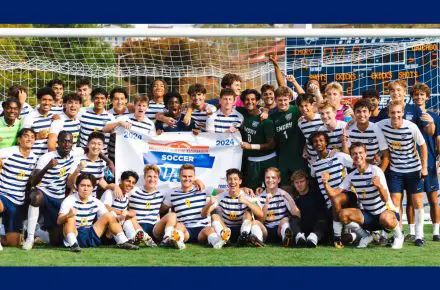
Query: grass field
196 255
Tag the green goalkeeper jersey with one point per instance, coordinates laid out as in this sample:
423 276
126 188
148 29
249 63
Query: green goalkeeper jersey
255 131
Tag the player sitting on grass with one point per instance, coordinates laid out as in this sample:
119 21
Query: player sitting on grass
78 213
235 213
119 207
378 211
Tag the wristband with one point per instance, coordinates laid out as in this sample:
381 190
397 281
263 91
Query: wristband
255 146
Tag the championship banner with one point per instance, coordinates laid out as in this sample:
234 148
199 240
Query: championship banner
211 154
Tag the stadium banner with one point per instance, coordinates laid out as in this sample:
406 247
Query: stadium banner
211 154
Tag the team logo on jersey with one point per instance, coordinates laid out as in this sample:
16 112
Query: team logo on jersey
62 172
83 222
188 202
370 140
21 175
147 205
270 215
409 117
255 124
289 116
404 136
330 163
368 182
232 215
364 193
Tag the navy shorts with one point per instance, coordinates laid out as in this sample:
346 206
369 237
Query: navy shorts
194 234
148 228
12 215
50 211
235 232
272 235
430 183
371 222
411 182
87 238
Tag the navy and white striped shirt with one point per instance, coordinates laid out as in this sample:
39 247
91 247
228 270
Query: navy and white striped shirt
277 210
188 206
372 137
154 108
66 124
109 198
146 205
336 167
231 209
335 135
15 174
219 123
95 168
368 195
144 127
307 128
200 117
88 211
38 123
54 181
402 145
90 122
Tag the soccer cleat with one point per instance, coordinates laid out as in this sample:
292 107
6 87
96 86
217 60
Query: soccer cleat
177 241
225 234
363 243
419 243
383 241
75 248
436 238
410 238
312 241
127 246
300 240
28 244
138 238
148 241
398 243
288 238
166 243
242 239
337 243
348 238
254 241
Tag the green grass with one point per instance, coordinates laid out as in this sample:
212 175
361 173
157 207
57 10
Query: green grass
196 255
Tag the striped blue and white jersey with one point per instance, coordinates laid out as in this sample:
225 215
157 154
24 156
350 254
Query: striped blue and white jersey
368 195
372 137
109 198
277 210
88 211
336 167
145 204
231 209
220 123
15 174
335 135
188 206
38 123
154 108
144 127
95 168
66 124
112 142
54 181
402 145
25 110
307 128
54 110
90 121
200 117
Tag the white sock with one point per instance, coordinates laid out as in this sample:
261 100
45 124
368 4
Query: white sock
312 236
213 239
218 227
33 213
256 231
412 229
419 215
44 235
181 235
120 238
284 227
71 239
129 230
2 229
168 231
246 227
397 231
337 228
355 227
435 229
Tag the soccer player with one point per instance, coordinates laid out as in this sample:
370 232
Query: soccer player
119 100
58 88
268 96
331 168
9 123
421 93
308 123
84 90
16 166
333 94
259 141
372 96
312 226
40 120
226 119
93 164
85 219
377 210
173 103
235 211
158 90
119 206
199 110
49 182
94 119
277 204
334 128
68 121
187 202
290 141
368 133
233 82
20 93
407 168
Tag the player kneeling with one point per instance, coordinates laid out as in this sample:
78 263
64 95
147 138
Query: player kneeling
77 213
234 213
118 206
378 211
